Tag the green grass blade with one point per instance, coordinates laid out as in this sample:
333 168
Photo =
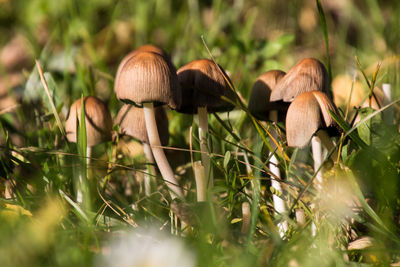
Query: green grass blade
326 37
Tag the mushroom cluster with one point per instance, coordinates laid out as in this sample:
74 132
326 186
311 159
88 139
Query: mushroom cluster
146 81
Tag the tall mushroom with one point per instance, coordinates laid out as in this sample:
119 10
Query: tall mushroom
98 124
132 123
261 107
308 118
203 84
146 79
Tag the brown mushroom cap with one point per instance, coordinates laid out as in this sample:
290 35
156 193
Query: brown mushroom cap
132 123
307 75
202 85
259 103
97 119
146 76
144 48
306 115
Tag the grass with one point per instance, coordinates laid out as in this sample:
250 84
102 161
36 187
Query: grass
79 46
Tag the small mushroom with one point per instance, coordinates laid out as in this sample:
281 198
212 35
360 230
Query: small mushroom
307 75
97 120
132 123
98 125
259 103
203 84
308 118
376 103
147 79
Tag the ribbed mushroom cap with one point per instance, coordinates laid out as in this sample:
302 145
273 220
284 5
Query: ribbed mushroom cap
144 48
307 75
306 115
147 77
131 121
259 103
202 85
97 120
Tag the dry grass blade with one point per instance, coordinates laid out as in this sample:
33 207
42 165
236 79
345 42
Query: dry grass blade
46 88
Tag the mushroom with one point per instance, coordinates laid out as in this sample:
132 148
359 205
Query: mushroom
203 84
146 79
98 125
308 118
132 123
259 103
377 101
261 107
307 75
97 120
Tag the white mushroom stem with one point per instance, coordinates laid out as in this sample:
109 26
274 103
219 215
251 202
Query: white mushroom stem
158 152
204 144
387 92
300 217
246 218
201 181
151 171
88 155
81 185
279 204
316 147
326 141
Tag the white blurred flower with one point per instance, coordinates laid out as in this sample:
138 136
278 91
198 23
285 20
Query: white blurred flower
146 248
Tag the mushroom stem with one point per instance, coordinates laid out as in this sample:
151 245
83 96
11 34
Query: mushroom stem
151 171
279 204
88 155
158 152
246 218
326 141
204 145
317 155
300 217
387 92
201 181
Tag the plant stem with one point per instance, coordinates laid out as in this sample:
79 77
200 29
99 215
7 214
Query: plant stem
201 182
204 145
279 204
151 171
158 152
